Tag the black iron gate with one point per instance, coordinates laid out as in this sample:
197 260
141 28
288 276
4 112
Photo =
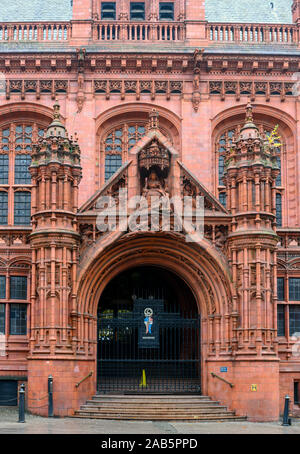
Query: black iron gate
149 348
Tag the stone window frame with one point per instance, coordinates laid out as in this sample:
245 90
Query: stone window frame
15 323
16 142
286 303
123 10
8 301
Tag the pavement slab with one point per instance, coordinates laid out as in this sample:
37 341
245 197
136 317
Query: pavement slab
39 425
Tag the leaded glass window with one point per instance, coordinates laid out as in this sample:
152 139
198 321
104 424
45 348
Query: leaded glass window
22 174
18 319
3 168
278 179
281 320
2 318
222 198
2 287
18 287
279 209
120 141
3 207
294 288
280 289
16 140
117 144
22 208
294 316
23 138
112 164
221 169
5 136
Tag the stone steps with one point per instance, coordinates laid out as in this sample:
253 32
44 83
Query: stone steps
155 408
177 418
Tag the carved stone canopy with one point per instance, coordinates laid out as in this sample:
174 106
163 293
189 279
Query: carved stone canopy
154 155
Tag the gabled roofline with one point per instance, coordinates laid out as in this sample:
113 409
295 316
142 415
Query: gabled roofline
206 192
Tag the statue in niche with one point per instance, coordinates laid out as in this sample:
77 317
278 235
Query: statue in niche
155 187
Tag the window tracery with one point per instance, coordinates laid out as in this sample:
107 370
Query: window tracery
120 140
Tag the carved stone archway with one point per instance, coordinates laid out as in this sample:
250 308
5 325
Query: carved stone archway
207 278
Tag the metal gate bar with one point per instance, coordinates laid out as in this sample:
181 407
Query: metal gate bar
172 367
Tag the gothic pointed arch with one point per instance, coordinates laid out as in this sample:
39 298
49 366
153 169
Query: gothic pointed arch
119 129
202 268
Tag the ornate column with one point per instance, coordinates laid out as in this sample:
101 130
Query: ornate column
251 162
251 166
54 242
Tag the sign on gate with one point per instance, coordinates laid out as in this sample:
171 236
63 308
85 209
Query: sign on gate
147 311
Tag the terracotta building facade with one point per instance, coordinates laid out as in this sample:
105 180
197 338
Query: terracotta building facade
180 98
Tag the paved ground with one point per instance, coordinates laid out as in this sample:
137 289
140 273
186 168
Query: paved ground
39 425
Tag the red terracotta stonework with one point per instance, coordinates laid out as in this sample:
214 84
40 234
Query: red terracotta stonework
197 96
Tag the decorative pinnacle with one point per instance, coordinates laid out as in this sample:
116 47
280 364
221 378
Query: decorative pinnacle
56 128
153 118
56 108
249 126
249 113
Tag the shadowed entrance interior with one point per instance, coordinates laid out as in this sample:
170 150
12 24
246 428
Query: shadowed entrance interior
148 334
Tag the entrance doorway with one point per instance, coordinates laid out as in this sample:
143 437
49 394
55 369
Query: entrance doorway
148 334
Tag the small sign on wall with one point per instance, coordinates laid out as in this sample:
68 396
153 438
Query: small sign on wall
223 369
253 387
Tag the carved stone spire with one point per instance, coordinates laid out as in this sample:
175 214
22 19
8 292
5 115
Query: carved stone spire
56 146
56 128
249 129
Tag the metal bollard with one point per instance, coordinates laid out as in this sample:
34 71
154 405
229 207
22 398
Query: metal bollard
50 396
22 403
286 420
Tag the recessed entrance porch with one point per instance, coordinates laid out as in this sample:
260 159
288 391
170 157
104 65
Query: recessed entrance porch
148 334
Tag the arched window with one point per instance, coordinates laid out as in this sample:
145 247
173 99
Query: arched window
16 139
119 141
224 141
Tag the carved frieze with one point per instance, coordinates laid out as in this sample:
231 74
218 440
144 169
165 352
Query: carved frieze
252 88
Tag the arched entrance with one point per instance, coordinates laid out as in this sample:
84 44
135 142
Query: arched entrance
148 333
199 267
